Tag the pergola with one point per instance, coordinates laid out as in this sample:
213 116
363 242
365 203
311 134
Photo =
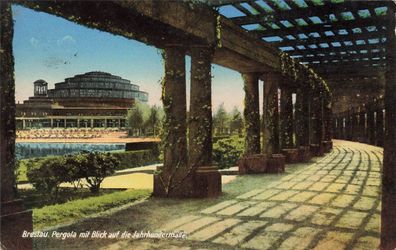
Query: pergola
344 41
351 44
294 46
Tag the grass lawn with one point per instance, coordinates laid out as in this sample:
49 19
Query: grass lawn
72 211
33 199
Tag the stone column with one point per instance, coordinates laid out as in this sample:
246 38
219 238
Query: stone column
327 125
23 123
379 127
388 212
92 123
337 127
348 125
200 120
286 119
302 118
271 114
288 148
362 124
317 126
270 126
370 124
251 114
207 179
14 218
174 179
252 161
354 124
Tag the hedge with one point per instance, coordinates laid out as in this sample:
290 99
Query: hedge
228 151
133 159
128 159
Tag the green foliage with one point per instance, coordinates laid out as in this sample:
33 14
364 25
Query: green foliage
236 121
127 159
221 120
135 120
154 120
141 118
32 199
47 176
227 152
303 73
94 167
74 210
132 159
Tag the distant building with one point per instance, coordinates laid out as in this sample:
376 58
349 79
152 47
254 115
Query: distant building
94 99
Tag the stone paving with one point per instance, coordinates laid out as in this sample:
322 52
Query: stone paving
331 204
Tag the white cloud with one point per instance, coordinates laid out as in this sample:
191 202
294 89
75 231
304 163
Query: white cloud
34 42
66 40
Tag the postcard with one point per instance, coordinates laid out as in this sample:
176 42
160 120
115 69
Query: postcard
200 124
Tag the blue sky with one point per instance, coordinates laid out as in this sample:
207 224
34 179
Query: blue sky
51 48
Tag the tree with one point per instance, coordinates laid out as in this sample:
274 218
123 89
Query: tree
137 118
236 123
95 166
221 120
73 163
153 120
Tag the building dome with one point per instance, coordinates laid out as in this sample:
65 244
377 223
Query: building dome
98 85
40 82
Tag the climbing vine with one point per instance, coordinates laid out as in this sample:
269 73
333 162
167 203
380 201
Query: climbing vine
302 73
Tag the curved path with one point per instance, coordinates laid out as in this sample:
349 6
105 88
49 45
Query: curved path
332 203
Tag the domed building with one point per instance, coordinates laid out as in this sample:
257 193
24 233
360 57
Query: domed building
93 99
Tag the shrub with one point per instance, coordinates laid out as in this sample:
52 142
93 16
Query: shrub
132 159
47 176
227 152
94 167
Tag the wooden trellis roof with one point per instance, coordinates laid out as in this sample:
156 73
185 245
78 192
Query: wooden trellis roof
332 36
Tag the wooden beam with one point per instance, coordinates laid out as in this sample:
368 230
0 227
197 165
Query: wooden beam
219 3
351 68
328 57
372 74
329 39
379 22
346 49
321 11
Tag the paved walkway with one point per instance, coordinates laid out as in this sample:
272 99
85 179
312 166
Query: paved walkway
333 203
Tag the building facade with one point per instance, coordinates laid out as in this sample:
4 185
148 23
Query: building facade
91 100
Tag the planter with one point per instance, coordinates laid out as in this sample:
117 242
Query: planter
276 163
317 149
304 153
205 182
291 154
328 146
253 164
